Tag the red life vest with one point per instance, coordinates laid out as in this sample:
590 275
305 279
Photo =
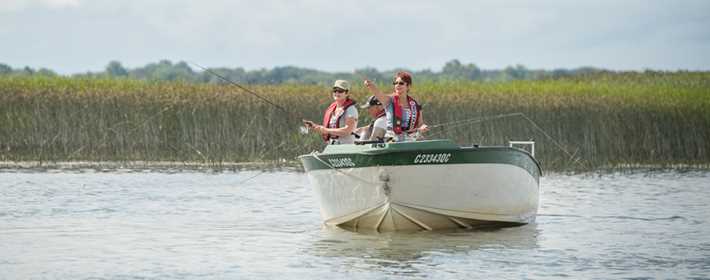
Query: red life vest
414 116
329 113
379 115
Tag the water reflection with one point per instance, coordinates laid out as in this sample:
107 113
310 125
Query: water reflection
407 252
186 225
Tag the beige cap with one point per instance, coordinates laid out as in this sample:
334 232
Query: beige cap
342 84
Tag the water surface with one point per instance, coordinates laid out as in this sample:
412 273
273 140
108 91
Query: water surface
128 224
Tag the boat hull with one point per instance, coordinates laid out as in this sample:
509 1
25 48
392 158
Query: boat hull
426 187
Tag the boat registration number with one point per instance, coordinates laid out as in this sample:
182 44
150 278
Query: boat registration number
432 158
341 162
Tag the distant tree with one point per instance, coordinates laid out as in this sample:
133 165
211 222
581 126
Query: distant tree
183 72
229 74
455 70
452 68
426 75
27 71
5 69
284 74
115 69
45 72
518 72
162 71
559 73
369 73
165 70
261 76
587 70
236 75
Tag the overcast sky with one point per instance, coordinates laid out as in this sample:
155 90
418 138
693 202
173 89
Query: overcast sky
71 36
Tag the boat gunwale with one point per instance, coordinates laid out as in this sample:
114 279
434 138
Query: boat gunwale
373 152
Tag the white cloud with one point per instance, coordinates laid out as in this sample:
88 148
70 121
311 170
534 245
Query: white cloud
61 3
13 5
80 35
18 5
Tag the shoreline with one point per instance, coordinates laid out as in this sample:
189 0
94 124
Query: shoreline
6 166
583 124
147 165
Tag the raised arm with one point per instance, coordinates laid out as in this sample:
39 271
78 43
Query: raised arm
382 97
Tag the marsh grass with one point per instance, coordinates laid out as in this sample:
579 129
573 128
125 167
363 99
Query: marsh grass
584 123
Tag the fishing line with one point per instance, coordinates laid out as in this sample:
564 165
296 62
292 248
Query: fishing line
449 125
303 130
242 88
473 120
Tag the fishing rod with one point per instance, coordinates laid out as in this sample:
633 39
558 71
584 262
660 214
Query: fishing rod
303 130
220 77
131 130
242 88
448 125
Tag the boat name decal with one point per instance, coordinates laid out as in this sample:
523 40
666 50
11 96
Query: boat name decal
341 162
432 158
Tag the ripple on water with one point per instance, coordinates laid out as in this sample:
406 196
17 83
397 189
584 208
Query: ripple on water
133 223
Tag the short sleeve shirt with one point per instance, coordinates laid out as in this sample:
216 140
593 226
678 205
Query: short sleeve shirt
351 112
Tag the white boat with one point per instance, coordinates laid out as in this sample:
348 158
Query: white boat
423 185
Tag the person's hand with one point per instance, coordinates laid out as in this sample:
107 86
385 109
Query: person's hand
370 85
360 130
424 128
311 126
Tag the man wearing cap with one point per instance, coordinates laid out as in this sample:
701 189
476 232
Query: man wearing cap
377 128
340 119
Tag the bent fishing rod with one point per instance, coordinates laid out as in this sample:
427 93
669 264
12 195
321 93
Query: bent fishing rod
241 87
307 123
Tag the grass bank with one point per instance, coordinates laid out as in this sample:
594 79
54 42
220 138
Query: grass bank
599 121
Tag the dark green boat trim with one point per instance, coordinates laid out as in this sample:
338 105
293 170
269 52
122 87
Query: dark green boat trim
433 152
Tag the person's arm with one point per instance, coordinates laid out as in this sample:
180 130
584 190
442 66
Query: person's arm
423 127
383 98
378 133
379 129
350 125
351 116
361 130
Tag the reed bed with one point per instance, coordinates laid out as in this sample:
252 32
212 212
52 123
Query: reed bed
605 120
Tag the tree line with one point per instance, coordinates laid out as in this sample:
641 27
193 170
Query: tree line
166 70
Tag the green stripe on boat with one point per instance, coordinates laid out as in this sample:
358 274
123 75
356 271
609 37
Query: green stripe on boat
432 152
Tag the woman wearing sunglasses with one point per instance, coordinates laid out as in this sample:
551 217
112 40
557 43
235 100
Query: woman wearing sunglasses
340 119
404 114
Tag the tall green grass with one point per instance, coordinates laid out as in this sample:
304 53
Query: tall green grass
602 120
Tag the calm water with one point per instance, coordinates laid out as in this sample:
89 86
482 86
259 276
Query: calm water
192 225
